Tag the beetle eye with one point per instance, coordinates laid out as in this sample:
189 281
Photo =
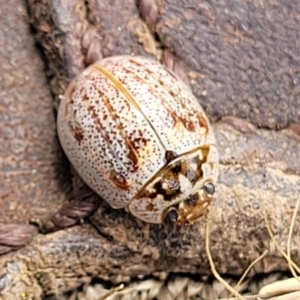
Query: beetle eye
172 215
209 188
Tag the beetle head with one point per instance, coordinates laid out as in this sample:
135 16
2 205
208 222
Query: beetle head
182 191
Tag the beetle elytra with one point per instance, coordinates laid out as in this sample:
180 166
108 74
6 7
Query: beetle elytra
138 137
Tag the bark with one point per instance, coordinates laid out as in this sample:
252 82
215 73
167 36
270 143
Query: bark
29 158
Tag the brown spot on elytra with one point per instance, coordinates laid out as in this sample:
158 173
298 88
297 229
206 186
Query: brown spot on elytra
78 135
188 124
99 127
119 180
132 156
172 94
137 142
134 62
76 131
85 97
132 151
170 155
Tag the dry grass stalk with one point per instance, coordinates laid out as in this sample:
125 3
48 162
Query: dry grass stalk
213 269
283 288
111 292
248 270
290 238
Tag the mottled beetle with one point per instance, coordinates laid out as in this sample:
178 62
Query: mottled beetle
138 137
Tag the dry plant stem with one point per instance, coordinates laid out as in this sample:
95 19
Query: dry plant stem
290 237
277 245
212 265
248 270
268 224
112 291
291 264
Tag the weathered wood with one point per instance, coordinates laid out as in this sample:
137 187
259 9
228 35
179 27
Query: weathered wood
28 144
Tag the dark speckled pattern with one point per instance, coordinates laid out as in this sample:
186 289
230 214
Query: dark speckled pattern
118 123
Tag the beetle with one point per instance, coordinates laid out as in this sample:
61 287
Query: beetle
138 137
